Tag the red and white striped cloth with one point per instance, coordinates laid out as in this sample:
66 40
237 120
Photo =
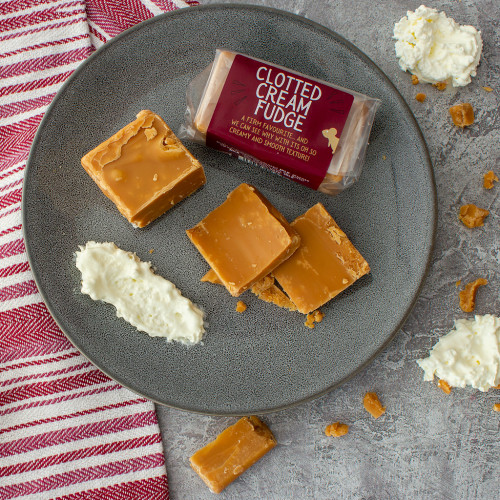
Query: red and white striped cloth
66 430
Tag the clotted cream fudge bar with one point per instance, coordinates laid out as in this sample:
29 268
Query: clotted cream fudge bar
309 130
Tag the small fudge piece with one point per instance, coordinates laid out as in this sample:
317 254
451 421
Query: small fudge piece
373 405
468 294
314 317
266 290
244 239
440 85
211 277
144 169
420 97
472 216
325 264
489 179
462 114
414 79
336 429
234 450
444 386
496 407
241 306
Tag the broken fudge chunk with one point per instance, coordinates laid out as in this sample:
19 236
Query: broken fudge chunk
234 450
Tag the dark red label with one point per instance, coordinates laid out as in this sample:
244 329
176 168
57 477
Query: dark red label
279 119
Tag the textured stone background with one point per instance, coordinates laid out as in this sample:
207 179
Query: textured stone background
428 445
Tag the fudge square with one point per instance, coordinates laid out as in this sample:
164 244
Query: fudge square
325 264
144 169
234 450
244 239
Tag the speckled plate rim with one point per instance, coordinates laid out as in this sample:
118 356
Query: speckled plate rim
121 38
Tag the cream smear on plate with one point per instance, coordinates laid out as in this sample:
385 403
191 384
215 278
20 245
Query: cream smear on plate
468 355
147 301
436 48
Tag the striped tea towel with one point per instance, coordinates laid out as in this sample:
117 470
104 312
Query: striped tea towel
66 430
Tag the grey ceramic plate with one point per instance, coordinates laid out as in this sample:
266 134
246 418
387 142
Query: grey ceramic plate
264 359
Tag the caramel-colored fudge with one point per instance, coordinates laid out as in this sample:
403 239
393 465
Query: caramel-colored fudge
472 216
211 277
468 294
444 386
336 429
266 290
325 264
462 114
241 306
244 239
314 317
440 85
373 405
234 450
144 169
489 179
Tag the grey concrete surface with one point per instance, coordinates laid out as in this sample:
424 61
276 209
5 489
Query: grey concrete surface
428 445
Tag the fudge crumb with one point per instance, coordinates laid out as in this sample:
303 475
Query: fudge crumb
496 407
211 277
314 317
440 85
488 89
468 294
473 216
489 179
373 405
414 79
337 429
152 250
458 283
462 114
420 97
318 316
444 386
241 306
384 157
266 290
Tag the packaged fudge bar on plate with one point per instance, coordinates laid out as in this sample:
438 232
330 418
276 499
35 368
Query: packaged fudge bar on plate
144 169
308 130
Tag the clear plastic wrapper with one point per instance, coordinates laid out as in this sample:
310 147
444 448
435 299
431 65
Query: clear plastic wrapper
308 130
